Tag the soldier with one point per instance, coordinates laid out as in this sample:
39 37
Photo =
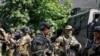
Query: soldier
66 43
23 43
41 45
2 38
11 42
94 50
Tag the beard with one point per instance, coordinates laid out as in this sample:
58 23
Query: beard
97 39
69 33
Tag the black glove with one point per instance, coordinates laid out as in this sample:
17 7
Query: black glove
75 47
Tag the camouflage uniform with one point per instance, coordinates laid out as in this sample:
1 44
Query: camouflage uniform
64 43
67 41
2 38
94 49
23 44
10 46
41 44
10 43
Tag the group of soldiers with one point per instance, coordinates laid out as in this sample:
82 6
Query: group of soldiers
64 45
19 42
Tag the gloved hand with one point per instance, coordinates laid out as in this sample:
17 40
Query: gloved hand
75 47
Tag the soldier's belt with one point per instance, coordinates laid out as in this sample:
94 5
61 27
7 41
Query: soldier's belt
24 52
40 51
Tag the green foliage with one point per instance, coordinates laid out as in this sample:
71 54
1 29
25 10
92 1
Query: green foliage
18 13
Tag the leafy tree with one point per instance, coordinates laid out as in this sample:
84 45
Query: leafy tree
17 13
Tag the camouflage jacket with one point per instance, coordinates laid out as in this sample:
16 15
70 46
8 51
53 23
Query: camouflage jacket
23 43
94 50
66 42
41 44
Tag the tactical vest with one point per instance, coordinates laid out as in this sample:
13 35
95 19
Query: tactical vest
41 44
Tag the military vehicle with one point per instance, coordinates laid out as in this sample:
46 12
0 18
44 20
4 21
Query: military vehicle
82 24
